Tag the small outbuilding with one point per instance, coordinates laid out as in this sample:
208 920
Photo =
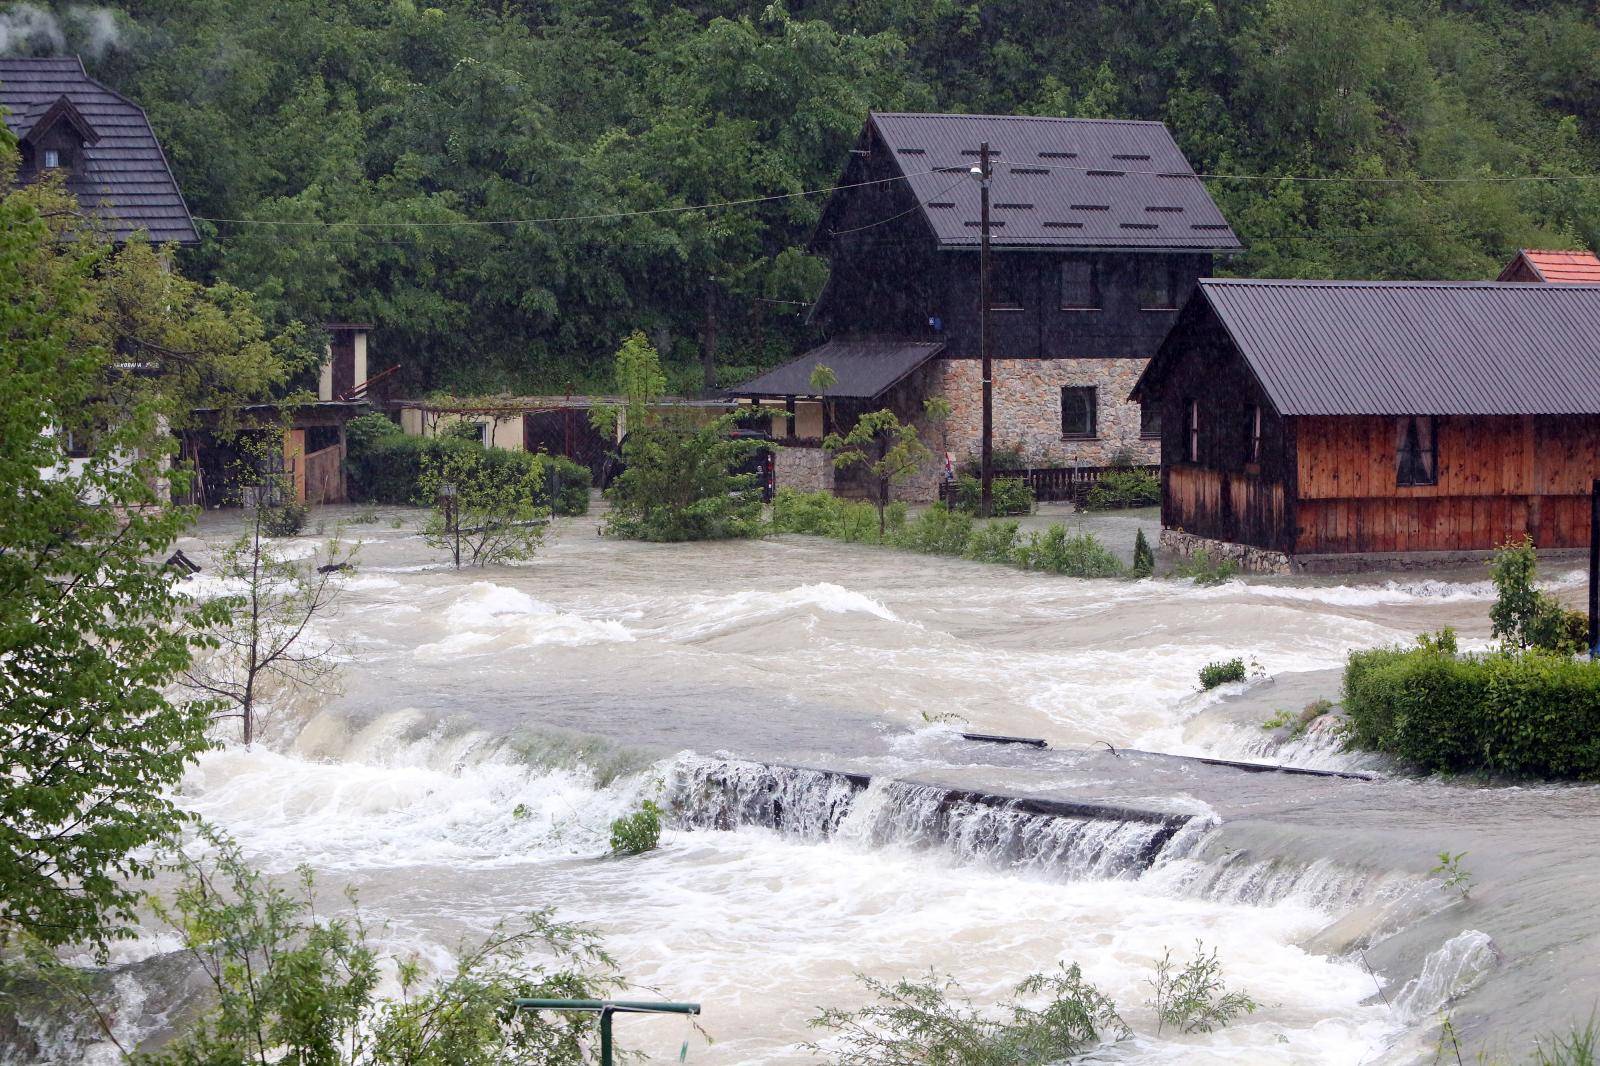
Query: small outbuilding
1329 425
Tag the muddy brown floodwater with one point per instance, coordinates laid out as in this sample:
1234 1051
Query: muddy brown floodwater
492 723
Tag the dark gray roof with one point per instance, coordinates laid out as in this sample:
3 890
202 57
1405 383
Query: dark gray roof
865 369
124 178
1403 347
1057 181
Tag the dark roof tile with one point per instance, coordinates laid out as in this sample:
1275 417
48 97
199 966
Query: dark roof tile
865 369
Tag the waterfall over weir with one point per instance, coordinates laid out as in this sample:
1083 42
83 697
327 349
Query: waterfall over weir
1049 837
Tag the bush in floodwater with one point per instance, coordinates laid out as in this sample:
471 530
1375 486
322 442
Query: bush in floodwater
1524 617
1055 551
1007 495
1204 570
822 514
1123 488
936 531
992 543
637 833
931 1021
1144 557
1194 998
1534 714
284 519
1214 674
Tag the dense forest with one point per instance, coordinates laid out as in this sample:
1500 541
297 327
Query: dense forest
319 113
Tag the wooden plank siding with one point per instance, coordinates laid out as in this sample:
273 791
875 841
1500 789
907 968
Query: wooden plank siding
1499 477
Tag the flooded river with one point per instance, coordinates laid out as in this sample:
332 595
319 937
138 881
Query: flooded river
492 723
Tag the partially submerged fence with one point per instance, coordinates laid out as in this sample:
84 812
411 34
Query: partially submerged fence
1056 483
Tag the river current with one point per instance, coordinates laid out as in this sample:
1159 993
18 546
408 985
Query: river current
490 724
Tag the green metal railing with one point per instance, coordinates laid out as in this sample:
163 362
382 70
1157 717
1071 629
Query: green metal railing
607 1008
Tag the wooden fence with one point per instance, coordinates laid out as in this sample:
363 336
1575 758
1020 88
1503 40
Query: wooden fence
1055 483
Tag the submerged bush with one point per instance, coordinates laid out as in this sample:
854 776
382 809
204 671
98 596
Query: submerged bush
993 543
1007 495
639 832
283 519
937 531
1525 617
822 514
387 466
1056 551
1214 674
1529 714
1123 488
1144 558
1203 570
1193 998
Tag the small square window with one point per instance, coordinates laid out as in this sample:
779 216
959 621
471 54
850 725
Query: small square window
1150 420
1006 282
1158 285
52 158
1416 451
1078 409
1080 285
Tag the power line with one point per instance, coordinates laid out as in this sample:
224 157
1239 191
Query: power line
1208 176
914 207
600 216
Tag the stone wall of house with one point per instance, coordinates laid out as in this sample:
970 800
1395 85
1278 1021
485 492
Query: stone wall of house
1247 557
803 469
1027 409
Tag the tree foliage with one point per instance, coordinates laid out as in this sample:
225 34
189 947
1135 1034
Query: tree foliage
887 450
497 513
684 480
412 115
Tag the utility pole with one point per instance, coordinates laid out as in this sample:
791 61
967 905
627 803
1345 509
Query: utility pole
983 172
710 356
1594 569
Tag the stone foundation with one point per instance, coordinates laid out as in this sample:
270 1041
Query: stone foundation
803 469
1248 558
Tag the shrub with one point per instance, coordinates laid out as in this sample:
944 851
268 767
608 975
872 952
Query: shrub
1124 488
1144 559
993 543
1214 674
1203 570
1055 551
1194 999
637 833
937 531
1533 714
1524 617
567 485
1003 457
386 466
682 483
823 514
1007 495
362 431
283 519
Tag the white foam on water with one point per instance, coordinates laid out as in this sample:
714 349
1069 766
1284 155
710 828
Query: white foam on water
1448 973
705 616
487 616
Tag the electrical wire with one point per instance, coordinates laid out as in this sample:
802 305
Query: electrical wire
599 216
1209 176
914 207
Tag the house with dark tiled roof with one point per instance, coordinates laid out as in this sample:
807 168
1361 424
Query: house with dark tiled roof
1330 425
1099 231
1553 267
66 121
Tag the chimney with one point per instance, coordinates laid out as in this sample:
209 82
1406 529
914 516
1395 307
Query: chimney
345 367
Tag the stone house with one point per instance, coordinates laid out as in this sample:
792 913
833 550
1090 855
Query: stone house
1099 232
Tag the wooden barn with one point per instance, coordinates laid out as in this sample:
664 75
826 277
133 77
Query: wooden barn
1330 425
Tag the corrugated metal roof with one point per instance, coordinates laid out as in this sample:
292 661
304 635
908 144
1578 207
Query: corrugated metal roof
123 178
1402 347
1559 267
865 369
1069 182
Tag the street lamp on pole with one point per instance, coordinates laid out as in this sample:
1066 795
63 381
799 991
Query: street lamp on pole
983 172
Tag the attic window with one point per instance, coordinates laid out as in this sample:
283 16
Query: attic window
940 203
994 153
1030 170
1139 225
950 170
1144 158
1157 209
1013 207
1091 207
993 223
912 151
1063 225
52 159
1058 155
1106 173
1211 226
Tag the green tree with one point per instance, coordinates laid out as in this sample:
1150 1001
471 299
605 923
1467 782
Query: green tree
886 448
92 629
492 512
683 481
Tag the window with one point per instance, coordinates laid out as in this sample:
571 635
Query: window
1192 433
1150 420
485 434
1078 411
1158 284
1080 285
1006 281
1252 433
52 158
76 444
1416 451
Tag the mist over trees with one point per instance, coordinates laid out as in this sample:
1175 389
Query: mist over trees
413 114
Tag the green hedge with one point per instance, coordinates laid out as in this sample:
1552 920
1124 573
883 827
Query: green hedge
942 531
1531 714
1123 488
1007 495
385 465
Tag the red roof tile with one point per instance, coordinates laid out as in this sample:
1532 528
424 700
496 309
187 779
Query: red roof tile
1559 266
